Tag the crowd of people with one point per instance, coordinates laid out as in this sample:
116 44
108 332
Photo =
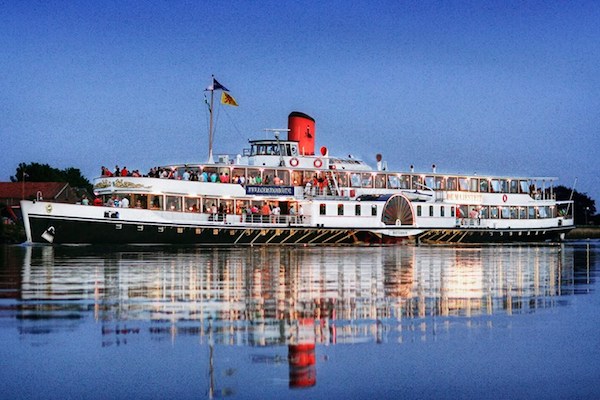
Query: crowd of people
119 172
201 176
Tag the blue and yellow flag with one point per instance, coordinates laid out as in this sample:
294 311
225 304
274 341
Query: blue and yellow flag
228 99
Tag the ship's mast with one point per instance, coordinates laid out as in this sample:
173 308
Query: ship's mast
210 123
215 85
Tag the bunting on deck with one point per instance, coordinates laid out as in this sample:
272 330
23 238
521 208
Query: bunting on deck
228 99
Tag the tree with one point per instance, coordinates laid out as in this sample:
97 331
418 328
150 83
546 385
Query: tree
35 172
584 208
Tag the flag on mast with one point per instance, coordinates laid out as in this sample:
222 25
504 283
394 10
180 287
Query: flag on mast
228 99
216 86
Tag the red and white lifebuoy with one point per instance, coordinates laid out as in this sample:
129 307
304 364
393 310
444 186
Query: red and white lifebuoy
504 198
318 163
294 162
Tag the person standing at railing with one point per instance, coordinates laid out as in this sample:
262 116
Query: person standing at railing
266 212
275 213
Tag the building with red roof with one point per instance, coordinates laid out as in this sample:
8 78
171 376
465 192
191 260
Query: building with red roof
11 193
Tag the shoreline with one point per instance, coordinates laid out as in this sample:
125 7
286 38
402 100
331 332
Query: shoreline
584 232
15 234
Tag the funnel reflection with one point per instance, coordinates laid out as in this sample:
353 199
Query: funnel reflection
297 298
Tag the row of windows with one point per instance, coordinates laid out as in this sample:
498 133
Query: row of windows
463 211
205 204
238 206
358 210
492 212
379 180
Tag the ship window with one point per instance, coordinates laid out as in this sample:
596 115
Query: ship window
503 186
404 182
393 182
237 173
484 212
513 213
505 212
139 201
380 181
367 180
297 178
531 212
462 212
321 209
543 212
267 176
514 186
357 209
374 210
282 177
340 209
209 174
439 183
494 212
342 179
523 186
155 202
355 180
192 204
484 185
431 211
452 211
474 186
416 182
523 212
418 211
463 184
294 150
452 183
495 186
173 203
442 211
429 181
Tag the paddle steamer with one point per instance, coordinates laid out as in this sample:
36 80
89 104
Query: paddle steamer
281 191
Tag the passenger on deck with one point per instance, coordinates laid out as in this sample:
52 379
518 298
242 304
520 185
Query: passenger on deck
265 212
275 212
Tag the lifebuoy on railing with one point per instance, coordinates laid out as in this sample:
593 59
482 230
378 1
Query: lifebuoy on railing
294 162
504 198
318 163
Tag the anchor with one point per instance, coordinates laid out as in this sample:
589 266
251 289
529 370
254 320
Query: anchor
48 234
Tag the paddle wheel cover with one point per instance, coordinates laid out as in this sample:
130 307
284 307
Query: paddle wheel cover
398 211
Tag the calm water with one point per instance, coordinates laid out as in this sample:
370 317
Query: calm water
310 323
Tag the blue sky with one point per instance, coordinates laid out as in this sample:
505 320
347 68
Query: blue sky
506 88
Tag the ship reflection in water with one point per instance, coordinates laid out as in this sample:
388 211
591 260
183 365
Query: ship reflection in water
272 307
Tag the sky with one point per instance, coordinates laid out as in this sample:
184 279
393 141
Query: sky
501 87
